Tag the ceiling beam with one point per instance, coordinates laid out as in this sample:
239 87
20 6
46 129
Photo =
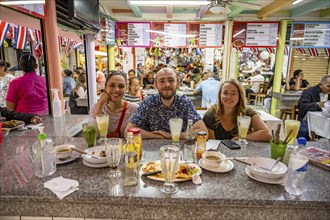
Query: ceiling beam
169 11
273 7
325 13
309 7
235 10
122 11
136 10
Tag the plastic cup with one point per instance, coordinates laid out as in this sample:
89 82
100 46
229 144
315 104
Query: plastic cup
294 126
90 133
277 150
175 127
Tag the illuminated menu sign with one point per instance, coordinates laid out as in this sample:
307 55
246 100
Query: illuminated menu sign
168 34
133 34
207 35
36 9
108 31
258 34
310 34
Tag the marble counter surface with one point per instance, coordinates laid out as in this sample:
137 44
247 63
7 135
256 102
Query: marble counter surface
66 126
230 195
288 95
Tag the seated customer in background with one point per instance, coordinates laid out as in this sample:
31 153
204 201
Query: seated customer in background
221 119
78 92
297 82
134 94
27 118
148 81
28 93
256 80
209 89
154 113
68 83
312 99
111 102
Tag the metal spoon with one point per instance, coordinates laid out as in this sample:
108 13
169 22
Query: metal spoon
86 154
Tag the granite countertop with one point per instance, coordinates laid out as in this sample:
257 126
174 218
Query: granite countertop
288 95
226 195
66 126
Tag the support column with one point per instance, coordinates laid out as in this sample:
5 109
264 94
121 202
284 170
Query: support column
279 66
53 56
227 50
90 64
111 58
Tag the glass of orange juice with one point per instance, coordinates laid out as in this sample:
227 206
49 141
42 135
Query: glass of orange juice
294 126
243 124
175 127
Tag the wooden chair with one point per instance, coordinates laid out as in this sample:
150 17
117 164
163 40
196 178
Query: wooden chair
292 113
260 96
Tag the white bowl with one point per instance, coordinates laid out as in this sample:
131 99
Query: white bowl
213 158
97 152
63 151
260 163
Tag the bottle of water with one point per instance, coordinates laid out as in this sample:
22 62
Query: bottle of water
131 164
189 143
297 169
44 157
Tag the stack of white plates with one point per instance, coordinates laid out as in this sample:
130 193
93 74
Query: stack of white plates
93 161
262 170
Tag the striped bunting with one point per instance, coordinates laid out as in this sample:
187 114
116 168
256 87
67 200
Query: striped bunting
4 26
21 34
60 43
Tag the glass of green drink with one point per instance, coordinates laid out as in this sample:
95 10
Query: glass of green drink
90 133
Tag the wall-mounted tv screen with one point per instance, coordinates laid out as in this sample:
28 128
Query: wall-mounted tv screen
86 11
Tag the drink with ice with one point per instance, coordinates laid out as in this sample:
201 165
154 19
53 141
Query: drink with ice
175 128
243 124
294 126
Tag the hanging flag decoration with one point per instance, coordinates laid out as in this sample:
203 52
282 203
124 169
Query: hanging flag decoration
21 34
77 45
4 26
327 51
67 44
32 35
313 52
71 45
301 50
60 43
286 50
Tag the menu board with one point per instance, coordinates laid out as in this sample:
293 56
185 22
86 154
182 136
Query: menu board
36 9
257 34
108 31
310 34
133 34
168 34
207 35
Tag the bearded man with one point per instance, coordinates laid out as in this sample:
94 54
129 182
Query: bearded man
154 113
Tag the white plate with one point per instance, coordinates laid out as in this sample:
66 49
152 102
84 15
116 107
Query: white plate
20 124
177 179
280 181
278 171
74 156
225 166
96 151
95 165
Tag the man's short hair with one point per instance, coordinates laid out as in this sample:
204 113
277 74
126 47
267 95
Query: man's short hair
324 79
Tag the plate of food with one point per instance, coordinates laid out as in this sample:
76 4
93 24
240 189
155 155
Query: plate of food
183 173
238 43
13 124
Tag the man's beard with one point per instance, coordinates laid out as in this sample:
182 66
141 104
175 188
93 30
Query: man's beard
167 97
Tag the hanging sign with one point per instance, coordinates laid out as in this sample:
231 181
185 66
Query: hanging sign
207 35
133 34
256 34
172 34
35 9
108 29
310 34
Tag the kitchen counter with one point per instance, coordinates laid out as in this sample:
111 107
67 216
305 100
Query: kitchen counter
222 195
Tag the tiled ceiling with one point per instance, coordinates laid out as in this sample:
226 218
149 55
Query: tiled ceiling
307 10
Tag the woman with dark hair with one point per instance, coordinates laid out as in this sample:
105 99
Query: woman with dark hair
297 82
221 119
78 92
5 81
134 93
28 93
111 102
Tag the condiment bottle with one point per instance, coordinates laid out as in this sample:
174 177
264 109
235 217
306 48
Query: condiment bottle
189 143
130 158
201 143
137 140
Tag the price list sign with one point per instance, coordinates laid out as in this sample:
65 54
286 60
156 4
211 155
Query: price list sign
108 31
175 34
133 34
210 35
310 35
258 34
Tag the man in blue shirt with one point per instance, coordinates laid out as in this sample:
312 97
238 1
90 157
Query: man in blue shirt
153 115
209 89
68 83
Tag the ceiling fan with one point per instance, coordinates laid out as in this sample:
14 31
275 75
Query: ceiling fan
223 7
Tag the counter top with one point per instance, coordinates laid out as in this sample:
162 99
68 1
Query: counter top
66 126
288 95
222 195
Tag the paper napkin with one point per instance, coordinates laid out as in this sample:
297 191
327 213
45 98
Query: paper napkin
212 144
196 179
62 186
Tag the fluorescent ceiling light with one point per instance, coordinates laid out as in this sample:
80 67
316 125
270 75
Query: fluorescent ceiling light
170 34
294 2
22 2
217 9
168 2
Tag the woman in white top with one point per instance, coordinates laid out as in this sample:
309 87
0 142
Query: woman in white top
6 78
111 102
78 92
